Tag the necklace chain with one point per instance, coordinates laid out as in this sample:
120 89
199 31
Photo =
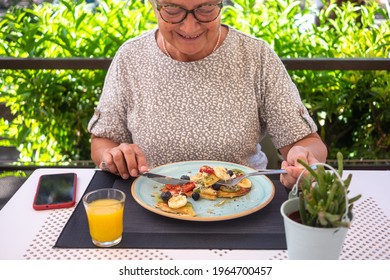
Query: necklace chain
215 47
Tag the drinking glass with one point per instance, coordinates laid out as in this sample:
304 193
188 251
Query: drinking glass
104 210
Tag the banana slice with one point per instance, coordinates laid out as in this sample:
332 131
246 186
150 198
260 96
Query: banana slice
245 183
177 201
221 173
196 178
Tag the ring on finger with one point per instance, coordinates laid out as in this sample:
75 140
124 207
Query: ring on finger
104 166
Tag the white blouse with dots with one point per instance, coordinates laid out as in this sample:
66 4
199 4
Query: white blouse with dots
217 108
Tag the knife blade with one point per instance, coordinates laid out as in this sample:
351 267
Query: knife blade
162 179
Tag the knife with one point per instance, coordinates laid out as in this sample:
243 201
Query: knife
164 179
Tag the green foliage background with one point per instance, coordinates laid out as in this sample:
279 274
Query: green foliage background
53 107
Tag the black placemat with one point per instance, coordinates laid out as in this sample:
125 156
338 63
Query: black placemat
144 229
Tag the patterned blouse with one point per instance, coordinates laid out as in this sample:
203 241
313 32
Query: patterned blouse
216 108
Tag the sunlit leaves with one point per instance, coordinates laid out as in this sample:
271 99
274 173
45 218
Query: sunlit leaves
53 107
351 108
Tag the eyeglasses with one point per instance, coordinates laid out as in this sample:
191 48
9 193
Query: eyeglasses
175 14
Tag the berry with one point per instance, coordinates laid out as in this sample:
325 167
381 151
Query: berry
195 196
165 196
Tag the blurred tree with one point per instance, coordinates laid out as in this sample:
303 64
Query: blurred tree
324 4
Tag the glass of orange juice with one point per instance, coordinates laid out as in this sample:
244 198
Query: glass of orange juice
104 210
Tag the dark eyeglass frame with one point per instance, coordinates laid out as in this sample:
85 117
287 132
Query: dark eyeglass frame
159 7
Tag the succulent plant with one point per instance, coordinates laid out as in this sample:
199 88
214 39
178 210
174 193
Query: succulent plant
323 197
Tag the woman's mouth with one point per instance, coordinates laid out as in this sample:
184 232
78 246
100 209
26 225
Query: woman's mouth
188 37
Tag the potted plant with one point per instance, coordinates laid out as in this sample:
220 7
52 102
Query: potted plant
318 213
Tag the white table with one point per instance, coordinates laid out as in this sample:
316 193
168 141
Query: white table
29 234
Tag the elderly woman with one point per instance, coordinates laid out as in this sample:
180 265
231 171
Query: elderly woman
194 89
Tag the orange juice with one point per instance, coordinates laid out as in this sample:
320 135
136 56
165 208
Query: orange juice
105 219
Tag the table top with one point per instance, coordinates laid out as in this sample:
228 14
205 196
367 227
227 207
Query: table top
368 238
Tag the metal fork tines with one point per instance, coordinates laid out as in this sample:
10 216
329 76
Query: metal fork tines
235 181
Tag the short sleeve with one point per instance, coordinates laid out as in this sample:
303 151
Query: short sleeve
110 116
287 119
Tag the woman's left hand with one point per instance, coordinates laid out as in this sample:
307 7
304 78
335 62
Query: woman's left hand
309 149
293 167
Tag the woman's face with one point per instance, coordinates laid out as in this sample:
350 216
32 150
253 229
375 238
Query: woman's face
189 39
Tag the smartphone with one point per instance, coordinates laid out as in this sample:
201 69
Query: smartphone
55 191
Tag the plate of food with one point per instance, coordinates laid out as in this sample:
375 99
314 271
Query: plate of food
203 199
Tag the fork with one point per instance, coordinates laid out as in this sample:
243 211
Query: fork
235 181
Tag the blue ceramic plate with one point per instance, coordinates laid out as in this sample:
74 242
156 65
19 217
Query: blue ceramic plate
146 191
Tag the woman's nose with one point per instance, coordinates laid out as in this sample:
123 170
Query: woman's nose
189 24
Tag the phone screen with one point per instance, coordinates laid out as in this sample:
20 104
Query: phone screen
55 191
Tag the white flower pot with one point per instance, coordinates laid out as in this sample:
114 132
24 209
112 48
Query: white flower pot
310 243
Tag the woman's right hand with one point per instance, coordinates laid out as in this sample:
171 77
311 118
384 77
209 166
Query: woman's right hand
124 159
